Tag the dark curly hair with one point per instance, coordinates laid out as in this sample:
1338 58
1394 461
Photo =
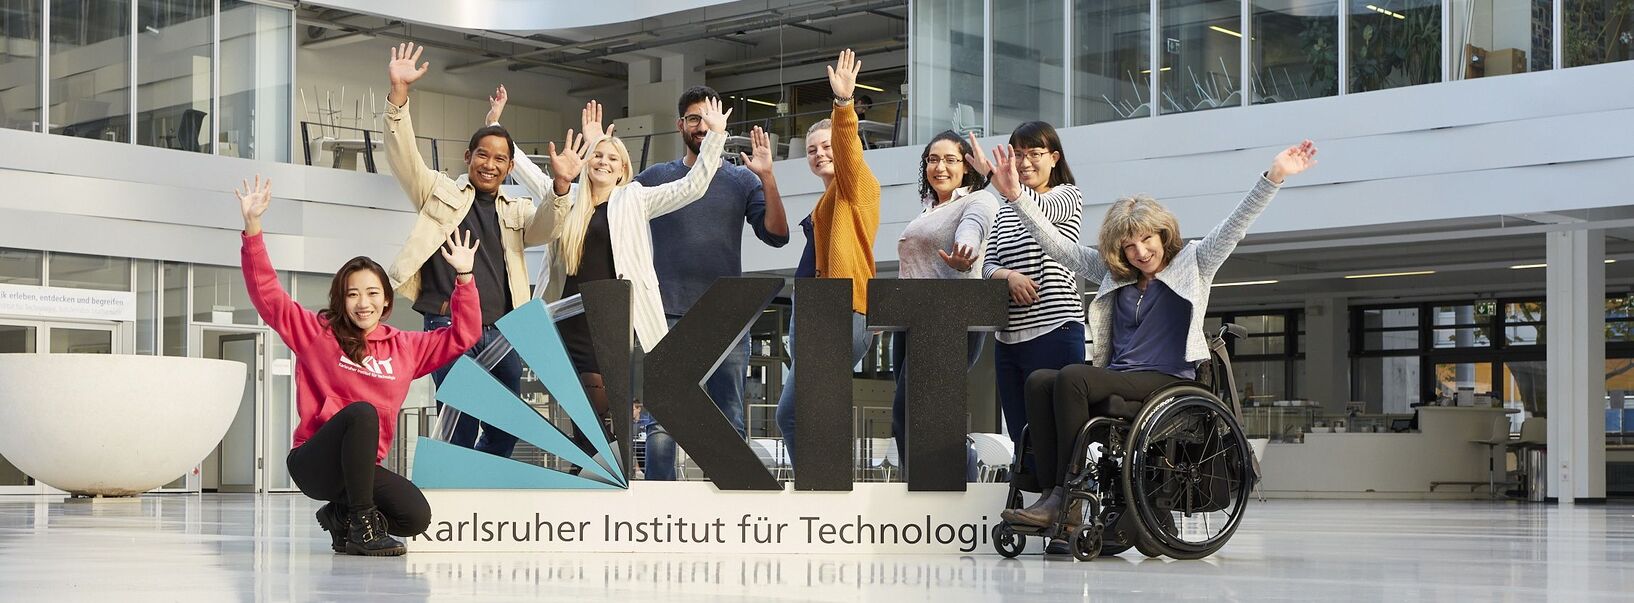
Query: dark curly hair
971 179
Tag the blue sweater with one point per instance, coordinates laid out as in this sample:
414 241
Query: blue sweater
1149 331
704 241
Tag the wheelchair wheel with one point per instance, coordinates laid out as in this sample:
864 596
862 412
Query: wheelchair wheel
1085 542
1188 474
1145 547
1007 541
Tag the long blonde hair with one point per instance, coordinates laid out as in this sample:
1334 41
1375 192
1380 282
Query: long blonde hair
570 247
1130 217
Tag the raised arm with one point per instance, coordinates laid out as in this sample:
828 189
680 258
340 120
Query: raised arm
296 325
1218 244
402 154
970 236
851 173
764 212
671 196
1049 217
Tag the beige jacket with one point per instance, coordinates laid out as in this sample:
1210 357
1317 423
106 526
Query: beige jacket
442 203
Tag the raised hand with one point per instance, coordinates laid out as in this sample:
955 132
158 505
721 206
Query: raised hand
566 165
713 116
978 160
460 251
496 105
842 76
253 201
962 259
1005 178
590 122
401 69
1291 161
761 161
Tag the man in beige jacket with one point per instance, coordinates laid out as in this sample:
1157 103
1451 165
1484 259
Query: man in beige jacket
504 225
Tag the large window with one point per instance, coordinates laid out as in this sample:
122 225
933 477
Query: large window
1029 56
256 71
1295 52
1202 54
1385 370
1268 364
20 64
90 69
21 266
174 43
1599 31
90 272
949 58
1112 63
1394 43
1501 37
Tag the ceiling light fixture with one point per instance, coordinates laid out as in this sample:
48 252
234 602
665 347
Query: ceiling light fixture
1244 283
1225 31
1389 274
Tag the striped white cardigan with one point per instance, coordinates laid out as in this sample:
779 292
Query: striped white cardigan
1189 274
629 212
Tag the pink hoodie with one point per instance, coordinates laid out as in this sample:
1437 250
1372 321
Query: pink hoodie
325 379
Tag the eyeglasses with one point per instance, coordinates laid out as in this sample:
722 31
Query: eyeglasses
1036 155
692 120
950 160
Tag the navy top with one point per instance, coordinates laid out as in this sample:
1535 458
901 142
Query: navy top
694 245
1149 330
808 257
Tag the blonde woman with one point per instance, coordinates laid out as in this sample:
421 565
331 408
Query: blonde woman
606 234
1146 318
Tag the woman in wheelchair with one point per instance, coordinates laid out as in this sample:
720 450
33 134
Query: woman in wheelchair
1146 319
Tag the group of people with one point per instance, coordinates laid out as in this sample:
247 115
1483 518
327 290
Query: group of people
672 230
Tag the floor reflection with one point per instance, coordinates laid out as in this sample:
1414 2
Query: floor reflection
268 548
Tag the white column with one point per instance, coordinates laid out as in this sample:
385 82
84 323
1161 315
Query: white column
1327 352
1576 341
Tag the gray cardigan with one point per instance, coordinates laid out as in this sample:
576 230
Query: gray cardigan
1189 274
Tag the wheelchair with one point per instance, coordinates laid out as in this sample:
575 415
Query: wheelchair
1168 476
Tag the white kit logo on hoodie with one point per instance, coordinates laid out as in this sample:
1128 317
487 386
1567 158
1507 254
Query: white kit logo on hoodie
379 369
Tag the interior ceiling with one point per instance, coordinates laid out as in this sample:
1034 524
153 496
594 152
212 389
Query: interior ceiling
738 37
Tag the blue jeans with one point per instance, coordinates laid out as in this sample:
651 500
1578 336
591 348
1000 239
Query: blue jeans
899 401
860 339
1013 362
509 373
725 387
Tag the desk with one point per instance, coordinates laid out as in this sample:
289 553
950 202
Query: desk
346 150
1386 465
879 134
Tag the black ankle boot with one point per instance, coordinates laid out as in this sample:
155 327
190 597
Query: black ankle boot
332 518
1041 513
366 535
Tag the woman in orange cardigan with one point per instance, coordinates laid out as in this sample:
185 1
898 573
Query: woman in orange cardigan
840 230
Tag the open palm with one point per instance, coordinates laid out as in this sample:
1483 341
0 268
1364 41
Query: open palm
590 122
460 250
1005 178
402 69
842 75
254 199
1293 160
567 164
713 117
761 144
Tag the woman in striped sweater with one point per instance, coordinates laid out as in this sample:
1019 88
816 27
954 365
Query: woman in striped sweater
1046 329
1146 318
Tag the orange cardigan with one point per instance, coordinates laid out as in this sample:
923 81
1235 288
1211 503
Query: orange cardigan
847 216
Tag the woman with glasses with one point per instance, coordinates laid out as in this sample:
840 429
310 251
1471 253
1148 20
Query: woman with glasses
1046 329
946 240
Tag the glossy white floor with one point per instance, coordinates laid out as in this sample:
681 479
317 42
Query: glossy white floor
268 548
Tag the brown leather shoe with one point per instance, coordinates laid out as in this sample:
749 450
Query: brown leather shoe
1041 513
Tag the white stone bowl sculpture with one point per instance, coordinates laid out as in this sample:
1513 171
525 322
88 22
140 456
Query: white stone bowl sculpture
113 425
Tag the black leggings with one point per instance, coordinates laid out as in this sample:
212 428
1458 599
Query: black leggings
1059 403
338 465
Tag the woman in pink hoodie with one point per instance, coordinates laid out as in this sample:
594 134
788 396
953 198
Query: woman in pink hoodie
348 386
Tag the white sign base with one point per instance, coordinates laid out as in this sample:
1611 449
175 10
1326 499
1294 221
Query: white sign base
695 517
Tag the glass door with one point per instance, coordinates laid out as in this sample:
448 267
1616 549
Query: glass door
238 462
18 338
